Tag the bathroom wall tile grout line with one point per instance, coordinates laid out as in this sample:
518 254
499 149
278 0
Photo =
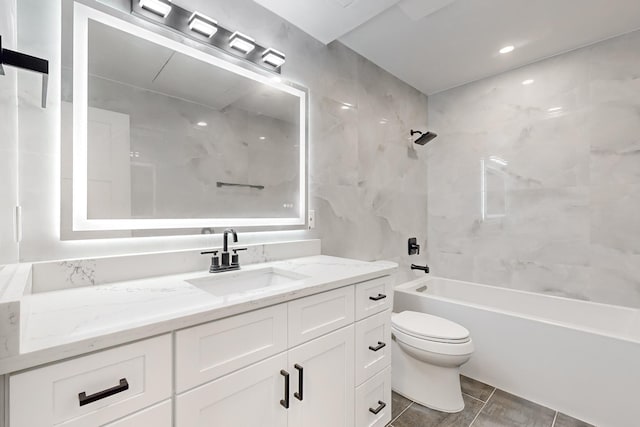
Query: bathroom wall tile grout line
483 406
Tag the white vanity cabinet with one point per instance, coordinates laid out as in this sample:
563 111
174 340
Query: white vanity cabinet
310 383
317 361
373 352
93 390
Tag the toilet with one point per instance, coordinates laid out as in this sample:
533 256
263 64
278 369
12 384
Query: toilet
427 352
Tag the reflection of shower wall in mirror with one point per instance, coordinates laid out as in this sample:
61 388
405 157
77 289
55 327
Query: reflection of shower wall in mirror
235 145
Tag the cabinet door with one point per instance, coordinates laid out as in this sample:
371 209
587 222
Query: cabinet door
326 366
249 397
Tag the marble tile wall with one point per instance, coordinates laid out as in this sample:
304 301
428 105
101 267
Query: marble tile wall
367 181
8 139
556 207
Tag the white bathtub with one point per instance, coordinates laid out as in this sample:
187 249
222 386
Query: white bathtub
578 357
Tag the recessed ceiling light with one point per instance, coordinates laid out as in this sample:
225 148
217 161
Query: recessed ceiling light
242 42
554 109
262 138
273 57
507 49
202 124
202 24
159 7
528 82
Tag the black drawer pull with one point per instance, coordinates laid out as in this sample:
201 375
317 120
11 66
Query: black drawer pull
378 347
379 408
378 298
85 400
298 395
285 402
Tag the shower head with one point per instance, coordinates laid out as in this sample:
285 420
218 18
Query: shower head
424 136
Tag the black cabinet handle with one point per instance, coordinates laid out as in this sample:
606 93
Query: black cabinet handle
379 408
285 402
85 400
378 347
378 298
300 369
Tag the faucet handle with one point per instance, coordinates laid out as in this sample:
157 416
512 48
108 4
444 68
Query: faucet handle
235 258
209 252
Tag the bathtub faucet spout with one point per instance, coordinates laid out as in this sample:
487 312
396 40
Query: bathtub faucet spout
419 267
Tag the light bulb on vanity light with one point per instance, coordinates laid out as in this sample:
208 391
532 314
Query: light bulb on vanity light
202 24
242 42
273 57
159 7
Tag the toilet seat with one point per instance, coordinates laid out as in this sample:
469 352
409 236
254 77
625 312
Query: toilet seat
442 348
426 327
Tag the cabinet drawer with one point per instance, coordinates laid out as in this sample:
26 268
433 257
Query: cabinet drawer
209 351
156 416
114 383
373 345
374 296
372 396
319 314
249 397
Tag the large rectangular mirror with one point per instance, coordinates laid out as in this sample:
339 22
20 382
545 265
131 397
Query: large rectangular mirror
169 136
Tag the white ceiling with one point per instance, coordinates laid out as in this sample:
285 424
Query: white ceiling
438 44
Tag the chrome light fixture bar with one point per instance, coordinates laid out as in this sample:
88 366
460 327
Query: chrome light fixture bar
204 29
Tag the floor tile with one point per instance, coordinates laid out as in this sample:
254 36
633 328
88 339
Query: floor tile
398 404
419 416
475 388
506 410
566 421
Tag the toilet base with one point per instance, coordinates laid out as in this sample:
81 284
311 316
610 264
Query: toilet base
433 386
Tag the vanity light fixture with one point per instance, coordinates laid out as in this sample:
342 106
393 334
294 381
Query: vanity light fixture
242 42
202 24
507 49
206 30
273 57
159 7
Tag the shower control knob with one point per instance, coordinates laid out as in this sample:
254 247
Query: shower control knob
413 246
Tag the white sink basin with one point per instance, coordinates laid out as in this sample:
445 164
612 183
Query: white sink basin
240 282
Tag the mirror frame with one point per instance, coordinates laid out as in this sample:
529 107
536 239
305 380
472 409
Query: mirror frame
80 221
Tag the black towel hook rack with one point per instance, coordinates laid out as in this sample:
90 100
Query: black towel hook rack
26 62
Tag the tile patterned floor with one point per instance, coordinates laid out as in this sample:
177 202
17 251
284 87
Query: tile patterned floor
485 406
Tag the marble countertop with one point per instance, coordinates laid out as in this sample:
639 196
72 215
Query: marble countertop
67 323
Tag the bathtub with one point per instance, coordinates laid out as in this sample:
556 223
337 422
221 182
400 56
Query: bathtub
577 357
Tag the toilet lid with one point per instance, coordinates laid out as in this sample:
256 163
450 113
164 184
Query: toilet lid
429 327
